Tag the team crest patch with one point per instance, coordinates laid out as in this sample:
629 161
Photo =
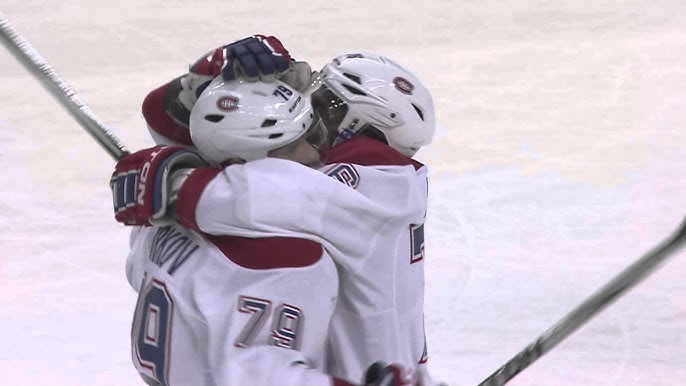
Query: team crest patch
227 103
403 85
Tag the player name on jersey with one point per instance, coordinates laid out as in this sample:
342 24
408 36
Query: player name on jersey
169 244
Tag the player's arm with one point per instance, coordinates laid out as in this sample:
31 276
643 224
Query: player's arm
264 197
272 195
277 197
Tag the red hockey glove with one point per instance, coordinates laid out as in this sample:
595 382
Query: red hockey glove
255 57
141 183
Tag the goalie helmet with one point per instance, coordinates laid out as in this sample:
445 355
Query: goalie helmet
371 93
240 119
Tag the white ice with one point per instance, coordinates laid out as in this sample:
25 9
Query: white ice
560 159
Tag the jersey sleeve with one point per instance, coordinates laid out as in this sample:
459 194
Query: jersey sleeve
282 198
157 111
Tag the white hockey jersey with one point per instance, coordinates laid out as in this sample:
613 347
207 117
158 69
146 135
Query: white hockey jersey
373 231
223 311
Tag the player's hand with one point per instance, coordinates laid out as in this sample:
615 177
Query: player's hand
380 374
255 57
141 183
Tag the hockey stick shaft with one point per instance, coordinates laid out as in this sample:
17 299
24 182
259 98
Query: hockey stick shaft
616 287
59 89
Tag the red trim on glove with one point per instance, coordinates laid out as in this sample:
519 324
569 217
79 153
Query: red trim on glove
275 44
190 193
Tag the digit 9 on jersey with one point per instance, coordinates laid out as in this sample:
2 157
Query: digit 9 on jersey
151 330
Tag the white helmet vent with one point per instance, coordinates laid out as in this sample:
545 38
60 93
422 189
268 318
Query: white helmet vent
214 118
352 77
354 90
419 111
268 122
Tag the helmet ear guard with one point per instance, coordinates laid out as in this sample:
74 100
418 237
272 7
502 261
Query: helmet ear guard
246 120
379 93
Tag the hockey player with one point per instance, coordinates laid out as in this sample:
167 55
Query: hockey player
227 310
379 314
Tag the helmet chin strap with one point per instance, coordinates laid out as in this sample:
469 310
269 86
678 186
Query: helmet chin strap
347 133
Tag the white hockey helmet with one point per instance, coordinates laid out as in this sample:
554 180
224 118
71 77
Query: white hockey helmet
363 92
241 119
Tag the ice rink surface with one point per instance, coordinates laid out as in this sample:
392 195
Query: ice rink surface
560 159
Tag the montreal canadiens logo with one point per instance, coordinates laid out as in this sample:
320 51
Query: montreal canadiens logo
403 85
227 103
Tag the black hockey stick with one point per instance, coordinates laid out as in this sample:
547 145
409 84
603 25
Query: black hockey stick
616 287
60 90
